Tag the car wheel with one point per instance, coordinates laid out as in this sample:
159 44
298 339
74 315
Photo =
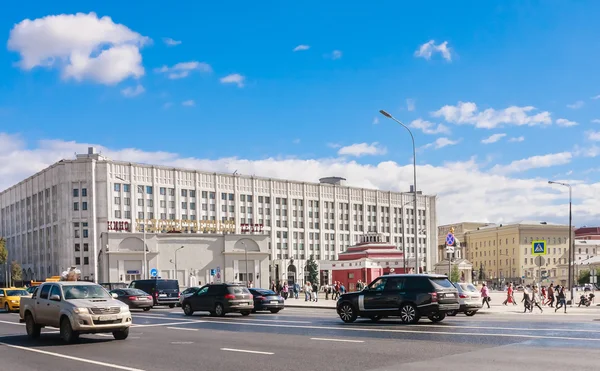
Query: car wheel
375 318
146 309
187 309
437 317
348 313
66 331
6 308
409 314
171 305
245 313
452 313
470 313
275 311
121 334
33 330
219 310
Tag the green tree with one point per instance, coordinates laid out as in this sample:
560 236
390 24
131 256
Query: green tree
455 274
584 277
3 251
16 271
313 271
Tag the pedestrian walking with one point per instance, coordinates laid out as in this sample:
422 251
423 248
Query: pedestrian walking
509 295
307 291
536 299
562 300
485 295
527 300
550 294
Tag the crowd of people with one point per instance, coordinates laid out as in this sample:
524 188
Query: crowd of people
311 290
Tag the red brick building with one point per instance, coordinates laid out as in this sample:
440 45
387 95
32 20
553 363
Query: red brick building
587 233
366 261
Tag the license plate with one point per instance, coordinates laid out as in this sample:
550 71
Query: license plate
243 303
107 318
162 295
275 302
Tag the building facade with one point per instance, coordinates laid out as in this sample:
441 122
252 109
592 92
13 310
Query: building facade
55 218
587 233
504 252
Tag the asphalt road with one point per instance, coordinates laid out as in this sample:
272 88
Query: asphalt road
309 339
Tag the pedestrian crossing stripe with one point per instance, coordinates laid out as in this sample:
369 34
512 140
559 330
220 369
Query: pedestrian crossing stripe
538 247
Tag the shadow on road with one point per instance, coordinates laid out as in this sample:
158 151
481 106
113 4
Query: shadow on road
47 340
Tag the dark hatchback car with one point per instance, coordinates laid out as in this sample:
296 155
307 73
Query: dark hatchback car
135 298
163 292
408 296
267 300
219 299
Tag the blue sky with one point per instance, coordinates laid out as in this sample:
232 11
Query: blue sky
309 104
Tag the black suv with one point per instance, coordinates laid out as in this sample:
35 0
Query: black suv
409 296
163 292
219 299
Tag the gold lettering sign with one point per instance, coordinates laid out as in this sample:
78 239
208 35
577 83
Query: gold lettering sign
177 225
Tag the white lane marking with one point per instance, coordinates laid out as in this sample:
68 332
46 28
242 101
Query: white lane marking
12 323
167 324
247 351
157 317
228 319
366 329
339 340
182 342
58 355
182 328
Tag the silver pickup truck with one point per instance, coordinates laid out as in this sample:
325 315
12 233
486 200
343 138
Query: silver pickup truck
75 308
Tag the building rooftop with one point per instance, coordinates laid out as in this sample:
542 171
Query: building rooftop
521 223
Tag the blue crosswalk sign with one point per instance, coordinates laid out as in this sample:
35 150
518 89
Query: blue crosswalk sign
212 272
538 248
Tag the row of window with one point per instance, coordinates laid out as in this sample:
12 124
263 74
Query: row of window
549 241
84 206
76 192
86 260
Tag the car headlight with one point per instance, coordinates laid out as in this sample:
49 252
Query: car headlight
81 310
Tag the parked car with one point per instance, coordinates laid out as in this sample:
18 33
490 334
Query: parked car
10 299
134 298
113 285
219 299
75 307
187 292
469 299
267 300
163 292
408 296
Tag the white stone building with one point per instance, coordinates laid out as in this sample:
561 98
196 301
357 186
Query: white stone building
58 217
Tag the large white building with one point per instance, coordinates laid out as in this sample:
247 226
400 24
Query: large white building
58 217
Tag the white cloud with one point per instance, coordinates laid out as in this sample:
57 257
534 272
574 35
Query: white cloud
429 48
596 97
171 42
334 145
188 103
301 47
587 151
576 105
596 121
534 162
234 78
336 54
467 113
517 139
465 191
183 69
441 143
296 141
429 127
130 92
566 123
362 149
493 138
593 135
410 105
375 120
82 46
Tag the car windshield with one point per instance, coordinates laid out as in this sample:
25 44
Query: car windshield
238 290
265 292
135 292
17 293
85 292
469 287
442 282
167 285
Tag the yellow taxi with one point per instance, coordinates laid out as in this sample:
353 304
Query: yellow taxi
10 299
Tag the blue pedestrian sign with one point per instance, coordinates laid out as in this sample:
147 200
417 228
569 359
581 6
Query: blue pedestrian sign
450 239
538 248
212 272
153 272
218 269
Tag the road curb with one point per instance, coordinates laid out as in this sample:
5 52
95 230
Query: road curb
307 307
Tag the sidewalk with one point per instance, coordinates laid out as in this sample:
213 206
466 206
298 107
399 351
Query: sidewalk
496 306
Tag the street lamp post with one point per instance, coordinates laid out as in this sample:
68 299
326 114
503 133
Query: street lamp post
416 216
176 262
571 246
145 265
246 257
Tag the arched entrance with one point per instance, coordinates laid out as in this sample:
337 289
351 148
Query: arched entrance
291 274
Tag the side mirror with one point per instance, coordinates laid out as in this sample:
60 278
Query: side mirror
114 296
55 297
1 295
